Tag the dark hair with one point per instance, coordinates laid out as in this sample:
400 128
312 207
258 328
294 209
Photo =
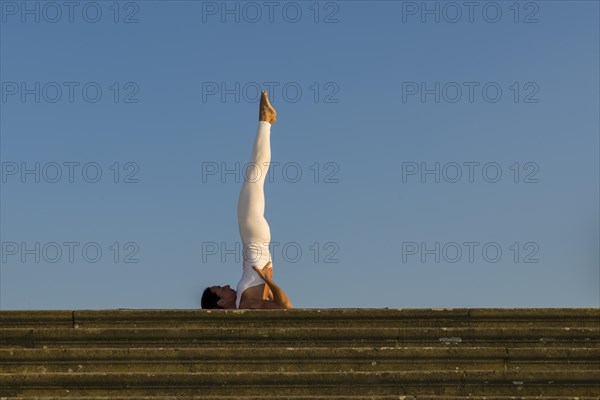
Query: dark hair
209 299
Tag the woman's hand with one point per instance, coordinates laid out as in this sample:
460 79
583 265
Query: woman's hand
279 296
266 272
269 270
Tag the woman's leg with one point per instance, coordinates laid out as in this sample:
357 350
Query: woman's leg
254 228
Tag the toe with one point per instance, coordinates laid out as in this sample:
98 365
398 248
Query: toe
266 99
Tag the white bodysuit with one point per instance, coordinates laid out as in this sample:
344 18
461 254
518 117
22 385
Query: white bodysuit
254 229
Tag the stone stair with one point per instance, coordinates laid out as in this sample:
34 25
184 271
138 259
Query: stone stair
313 354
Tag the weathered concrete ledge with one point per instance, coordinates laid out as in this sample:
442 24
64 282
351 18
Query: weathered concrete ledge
411 354
451 316
306 397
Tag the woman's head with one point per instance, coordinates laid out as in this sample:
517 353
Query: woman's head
218 297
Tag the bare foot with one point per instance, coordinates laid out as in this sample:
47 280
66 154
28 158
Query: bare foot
266 111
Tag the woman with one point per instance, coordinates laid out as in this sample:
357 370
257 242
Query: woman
256 288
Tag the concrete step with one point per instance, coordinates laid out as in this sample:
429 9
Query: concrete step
286 336
342 317
308 397
296 359
455 383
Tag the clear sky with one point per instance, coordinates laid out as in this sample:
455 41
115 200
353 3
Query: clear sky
426 154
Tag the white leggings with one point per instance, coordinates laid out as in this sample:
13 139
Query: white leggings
254 228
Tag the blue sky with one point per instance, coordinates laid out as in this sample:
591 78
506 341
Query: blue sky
425 154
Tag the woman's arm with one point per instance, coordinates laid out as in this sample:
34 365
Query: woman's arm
279 297
267 293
